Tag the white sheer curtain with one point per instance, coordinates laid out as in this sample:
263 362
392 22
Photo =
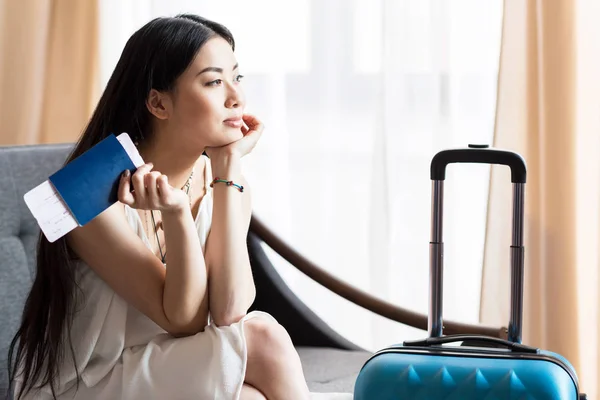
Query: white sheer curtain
357 96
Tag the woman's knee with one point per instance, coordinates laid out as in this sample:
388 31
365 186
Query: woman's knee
251 393
273 365
267 339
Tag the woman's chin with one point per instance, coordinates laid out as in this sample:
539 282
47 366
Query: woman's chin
233 135
227 137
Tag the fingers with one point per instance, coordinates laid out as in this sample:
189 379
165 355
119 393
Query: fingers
254 124
135 182
150 183
245 129
255 129
163 184
143 170
139 186
124 193
151 191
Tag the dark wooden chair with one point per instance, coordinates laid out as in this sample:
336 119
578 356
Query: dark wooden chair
304 326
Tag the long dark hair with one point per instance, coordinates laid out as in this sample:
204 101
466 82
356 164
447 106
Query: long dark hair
153 58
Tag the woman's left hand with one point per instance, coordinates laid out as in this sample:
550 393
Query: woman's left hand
244 145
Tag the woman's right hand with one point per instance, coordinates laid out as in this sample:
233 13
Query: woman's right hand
242 146
151 191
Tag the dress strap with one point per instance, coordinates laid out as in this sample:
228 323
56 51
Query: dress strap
207 174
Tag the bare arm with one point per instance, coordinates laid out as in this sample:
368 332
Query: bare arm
184 295
176 300
230 281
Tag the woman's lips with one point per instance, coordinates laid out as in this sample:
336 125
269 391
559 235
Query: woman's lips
234 122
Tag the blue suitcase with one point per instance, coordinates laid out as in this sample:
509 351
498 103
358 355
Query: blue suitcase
482 367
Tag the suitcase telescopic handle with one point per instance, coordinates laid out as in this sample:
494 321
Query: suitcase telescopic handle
486 155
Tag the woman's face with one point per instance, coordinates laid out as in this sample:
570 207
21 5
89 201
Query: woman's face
207 103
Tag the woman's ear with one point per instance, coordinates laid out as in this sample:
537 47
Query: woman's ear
159 104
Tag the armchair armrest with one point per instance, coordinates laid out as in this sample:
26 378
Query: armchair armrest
357 296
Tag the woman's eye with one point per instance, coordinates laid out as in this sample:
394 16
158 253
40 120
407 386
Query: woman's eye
239 78
215 82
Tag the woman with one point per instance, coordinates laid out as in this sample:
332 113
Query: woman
132 305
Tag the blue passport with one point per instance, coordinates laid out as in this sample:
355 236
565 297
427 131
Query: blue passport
88 184
84 188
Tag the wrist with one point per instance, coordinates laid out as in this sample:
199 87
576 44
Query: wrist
176 213
226 166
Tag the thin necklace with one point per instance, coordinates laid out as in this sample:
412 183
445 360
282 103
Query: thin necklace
186 187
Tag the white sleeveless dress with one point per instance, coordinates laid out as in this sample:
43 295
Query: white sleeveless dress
122 354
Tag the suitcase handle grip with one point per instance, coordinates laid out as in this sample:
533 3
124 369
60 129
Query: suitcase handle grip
436 341
479 154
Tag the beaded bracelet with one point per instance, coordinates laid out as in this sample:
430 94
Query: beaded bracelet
228 183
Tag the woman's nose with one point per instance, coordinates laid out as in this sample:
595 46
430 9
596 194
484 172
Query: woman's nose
231 103
235 98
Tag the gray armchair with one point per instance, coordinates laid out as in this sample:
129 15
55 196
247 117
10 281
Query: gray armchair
331 363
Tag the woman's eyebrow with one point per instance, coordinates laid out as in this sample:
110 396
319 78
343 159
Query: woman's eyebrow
216 69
